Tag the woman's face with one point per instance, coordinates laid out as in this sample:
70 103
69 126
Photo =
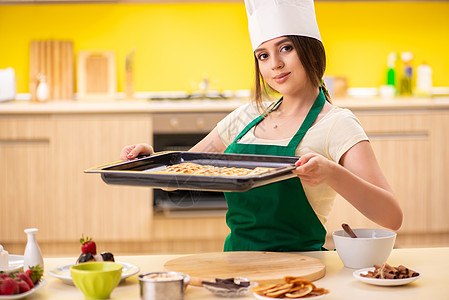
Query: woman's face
280 66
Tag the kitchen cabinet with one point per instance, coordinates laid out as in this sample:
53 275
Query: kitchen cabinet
42 183
24 173
402 143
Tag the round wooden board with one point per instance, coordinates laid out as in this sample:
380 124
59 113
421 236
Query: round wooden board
262 267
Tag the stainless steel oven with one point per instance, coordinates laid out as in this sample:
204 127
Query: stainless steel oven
179 132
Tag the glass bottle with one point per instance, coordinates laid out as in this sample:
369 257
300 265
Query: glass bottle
33 255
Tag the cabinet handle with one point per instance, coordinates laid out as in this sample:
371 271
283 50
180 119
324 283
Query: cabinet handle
398 135
8 142
174 123
200 123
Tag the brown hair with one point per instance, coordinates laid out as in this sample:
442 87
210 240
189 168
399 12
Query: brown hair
313 58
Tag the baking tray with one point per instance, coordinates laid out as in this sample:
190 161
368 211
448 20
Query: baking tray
141 171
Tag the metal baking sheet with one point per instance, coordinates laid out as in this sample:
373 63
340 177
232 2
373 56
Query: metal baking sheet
141 171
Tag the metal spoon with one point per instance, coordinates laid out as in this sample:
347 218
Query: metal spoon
348 230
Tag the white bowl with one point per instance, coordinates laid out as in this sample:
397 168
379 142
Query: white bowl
371 247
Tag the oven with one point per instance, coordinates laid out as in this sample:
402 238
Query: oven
179 132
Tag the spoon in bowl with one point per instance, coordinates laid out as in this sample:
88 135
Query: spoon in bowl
348 230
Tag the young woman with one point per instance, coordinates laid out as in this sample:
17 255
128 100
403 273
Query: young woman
335 154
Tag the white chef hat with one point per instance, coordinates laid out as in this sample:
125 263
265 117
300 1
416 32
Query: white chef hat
269 19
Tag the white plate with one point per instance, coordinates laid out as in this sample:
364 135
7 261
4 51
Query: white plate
383 282
269 298
15 263
23 295
63 272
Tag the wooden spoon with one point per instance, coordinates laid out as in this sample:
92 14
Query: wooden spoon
348 230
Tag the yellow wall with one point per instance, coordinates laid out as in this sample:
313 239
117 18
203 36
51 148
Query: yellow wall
176 44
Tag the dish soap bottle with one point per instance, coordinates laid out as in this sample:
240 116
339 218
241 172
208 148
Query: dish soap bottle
391 64
33 255
407 75
424 80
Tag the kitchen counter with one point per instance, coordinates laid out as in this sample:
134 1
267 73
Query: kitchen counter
164 106
432 263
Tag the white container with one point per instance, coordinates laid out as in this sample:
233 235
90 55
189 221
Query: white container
371 247
42 89
4 259
32 255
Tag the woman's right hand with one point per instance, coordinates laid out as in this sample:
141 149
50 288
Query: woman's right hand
132 151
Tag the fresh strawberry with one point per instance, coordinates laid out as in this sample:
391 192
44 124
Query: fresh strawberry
35 273
88 246
26 278
4 275
8 286
23 286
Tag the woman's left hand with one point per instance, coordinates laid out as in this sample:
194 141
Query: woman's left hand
313 169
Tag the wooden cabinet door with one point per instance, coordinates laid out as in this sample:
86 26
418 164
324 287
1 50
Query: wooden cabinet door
402 143
24 173
438 158
82 203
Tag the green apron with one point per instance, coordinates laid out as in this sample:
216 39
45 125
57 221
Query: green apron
275 217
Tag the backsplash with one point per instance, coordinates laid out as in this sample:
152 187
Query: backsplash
178 45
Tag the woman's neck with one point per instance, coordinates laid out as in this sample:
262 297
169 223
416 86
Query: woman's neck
298 103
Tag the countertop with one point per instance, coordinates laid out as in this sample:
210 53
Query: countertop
207 105
432 263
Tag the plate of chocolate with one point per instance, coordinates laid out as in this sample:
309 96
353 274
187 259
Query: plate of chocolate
229 287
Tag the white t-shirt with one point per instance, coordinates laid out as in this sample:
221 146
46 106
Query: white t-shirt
330 137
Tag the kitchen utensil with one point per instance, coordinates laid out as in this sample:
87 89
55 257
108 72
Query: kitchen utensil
261 267
348 230
371 247
141 171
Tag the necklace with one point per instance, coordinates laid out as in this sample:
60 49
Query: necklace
277 124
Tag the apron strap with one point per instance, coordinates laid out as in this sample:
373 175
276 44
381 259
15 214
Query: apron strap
310 118
255 121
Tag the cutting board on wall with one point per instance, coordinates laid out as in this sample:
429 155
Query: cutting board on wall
96 75
54 60
262 267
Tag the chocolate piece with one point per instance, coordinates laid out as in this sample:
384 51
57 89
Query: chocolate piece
228 283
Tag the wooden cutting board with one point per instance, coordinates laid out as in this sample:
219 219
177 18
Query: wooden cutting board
96 75
262 267
54 60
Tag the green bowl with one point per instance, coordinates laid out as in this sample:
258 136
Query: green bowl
96 279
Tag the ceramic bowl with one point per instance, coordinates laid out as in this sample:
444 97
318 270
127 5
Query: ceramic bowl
371 247
96 279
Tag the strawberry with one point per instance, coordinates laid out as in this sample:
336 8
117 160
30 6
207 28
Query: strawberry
8 286
35 273
88 246
4 275
23 286
26 278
